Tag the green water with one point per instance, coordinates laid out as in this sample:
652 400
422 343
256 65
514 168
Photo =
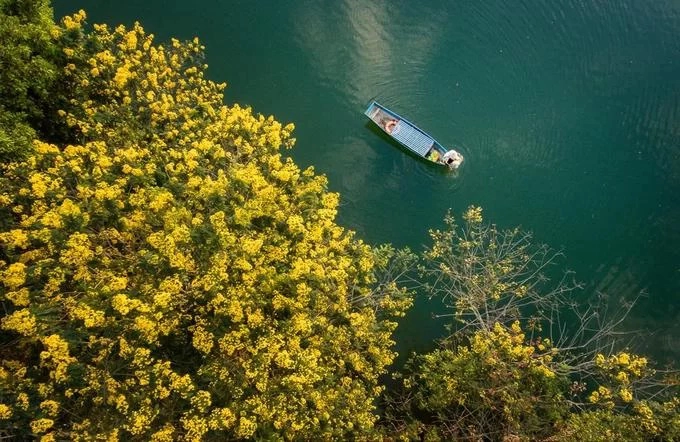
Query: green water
568 114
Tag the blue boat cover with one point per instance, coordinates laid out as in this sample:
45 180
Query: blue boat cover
412 138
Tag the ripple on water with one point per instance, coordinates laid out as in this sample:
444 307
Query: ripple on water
377 61
652 127
574 106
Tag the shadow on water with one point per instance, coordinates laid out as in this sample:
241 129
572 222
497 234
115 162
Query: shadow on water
425 167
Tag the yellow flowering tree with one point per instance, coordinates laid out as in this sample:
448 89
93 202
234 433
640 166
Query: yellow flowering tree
629 401
494 385
646 420
172 275
524 359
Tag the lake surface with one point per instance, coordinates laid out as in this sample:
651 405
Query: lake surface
568 114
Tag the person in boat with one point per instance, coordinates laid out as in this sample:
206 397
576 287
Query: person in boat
389 125
452 159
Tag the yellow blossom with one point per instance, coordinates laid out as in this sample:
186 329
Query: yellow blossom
14 276
5 412
173 219
246 427
131 40
21 321
20 298
122 76
89 316
56 356
16 238
78 250
473 215
626 395
22 401
165 434
41 425
118 283
50 407
202 340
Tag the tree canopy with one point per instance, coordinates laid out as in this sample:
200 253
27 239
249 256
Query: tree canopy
510 368
171 274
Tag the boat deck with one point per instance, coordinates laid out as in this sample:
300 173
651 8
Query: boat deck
412 138
403 132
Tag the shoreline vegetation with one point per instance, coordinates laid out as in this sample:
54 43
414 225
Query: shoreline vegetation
167 274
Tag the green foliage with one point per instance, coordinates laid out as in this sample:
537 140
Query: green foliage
16 135
27 75
645 421
601 425
493 385
172 276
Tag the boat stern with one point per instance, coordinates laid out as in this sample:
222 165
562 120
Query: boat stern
453 159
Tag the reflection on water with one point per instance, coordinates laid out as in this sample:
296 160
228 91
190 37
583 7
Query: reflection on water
353 46
654 128
617 280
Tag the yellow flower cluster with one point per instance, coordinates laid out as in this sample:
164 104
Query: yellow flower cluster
620 370
56 357
14 276
21 321
41 425
172 274
74 21
5 411
473 215
496 371
502 345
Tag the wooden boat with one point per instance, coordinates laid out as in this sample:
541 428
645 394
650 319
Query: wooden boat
411 137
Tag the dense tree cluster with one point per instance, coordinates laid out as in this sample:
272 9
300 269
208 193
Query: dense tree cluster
167 274
171 275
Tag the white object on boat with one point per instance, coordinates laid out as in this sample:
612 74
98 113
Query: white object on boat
453 159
